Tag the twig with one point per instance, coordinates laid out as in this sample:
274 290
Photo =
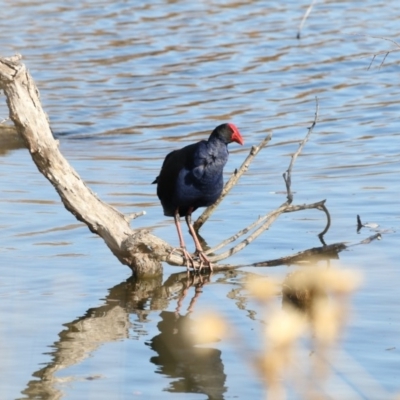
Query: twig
4 120
237 235
328 223
232 182
386 53
373 58
287 176
272 216
384 58
384 38
130 217
319 205
305 16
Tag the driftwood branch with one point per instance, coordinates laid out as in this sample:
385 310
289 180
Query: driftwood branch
139 249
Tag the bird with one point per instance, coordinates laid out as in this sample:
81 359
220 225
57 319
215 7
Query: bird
192 177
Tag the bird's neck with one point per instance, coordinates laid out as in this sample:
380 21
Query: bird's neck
216 144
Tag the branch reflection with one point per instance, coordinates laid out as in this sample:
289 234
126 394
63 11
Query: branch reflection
196 369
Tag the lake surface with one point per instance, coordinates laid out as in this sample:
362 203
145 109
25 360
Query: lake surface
123 84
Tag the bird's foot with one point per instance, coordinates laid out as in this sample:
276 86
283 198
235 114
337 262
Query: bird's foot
204 261
187 256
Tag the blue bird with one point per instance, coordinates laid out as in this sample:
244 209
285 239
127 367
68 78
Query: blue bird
191 178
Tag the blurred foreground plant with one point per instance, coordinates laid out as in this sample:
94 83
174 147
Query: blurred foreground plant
299 336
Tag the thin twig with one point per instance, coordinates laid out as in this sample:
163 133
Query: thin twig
4 120
386 53
384 58
287 176
237 235
261 219
272 216
383 38
305 16
130 217
318 205
373 58
328 223
232 182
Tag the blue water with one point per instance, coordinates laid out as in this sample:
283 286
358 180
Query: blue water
124 84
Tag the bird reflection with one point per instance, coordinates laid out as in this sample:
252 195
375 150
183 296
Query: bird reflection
193 369
196 369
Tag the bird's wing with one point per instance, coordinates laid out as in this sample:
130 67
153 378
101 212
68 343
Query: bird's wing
202 158
168 156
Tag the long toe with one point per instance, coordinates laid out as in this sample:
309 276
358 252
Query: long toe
188 258
204 261
186 255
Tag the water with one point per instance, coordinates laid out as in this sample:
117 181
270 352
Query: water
124 84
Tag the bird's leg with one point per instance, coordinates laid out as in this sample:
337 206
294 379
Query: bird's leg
199 250
186 254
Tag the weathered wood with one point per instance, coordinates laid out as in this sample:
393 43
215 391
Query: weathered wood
132 248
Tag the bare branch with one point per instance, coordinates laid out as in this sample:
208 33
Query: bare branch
305 16
373 58
386 53
287 176
130 247
271 217
231 183
328 223
384 58
318 205
237 235
261 219
133 216
384 38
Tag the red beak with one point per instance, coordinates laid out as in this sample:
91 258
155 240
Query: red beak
236 136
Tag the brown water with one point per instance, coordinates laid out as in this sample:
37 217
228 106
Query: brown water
124 84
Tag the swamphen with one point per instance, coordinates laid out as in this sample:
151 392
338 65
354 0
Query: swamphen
191 178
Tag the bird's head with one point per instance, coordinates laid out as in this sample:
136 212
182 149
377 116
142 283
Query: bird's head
228 133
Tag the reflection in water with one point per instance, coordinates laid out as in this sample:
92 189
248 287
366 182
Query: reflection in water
200 369
193 369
